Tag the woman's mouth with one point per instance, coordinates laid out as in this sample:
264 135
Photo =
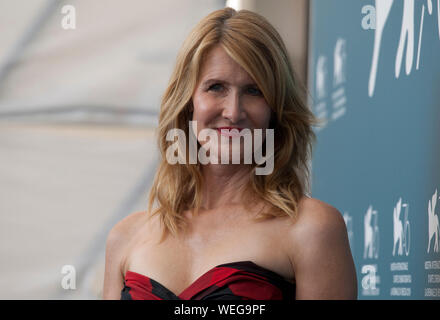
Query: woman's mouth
229 132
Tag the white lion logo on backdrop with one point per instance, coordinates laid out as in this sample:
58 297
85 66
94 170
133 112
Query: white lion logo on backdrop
340 57
398 228
371 234
433 229
321 75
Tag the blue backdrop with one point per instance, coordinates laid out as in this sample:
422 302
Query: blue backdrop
374 75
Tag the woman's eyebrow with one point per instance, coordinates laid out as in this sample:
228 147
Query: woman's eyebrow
212 81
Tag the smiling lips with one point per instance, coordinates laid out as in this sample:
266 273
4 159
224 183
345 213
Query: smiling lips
229 131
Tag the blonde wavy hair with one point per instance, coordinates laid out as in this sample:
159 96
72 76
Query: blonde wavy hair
253 43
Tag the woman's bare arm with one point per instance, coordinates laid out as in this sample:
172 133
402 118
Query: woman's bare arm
113 279
321 255
115 253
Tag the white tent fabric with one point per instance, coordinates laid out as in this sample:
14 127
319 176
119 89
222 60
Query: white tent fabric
119 57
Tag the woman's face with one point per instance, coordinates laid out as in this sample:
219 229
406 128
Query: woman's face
227 97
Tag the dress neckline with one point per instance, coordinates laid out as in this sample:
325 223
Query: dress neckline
242 263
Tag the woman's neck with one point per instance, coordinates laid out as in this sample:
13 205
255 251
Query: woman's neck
223 185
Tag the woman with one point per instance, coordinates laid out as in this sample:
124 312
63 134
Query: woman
223 231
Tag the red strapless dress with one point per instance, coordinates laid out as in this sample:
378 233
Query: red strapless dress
241 280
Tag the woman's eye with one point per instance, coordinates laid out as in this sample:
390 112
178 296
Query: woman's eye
216 87
254 91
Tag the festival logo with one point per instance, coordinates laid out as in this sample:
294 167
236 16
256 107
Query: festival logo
433 224
339 98
371 234
321 77
401 229
349 224
340 56
407 37
320 107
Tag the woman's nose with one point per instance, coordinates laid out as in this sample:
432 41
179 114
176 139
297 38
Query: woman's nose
232 108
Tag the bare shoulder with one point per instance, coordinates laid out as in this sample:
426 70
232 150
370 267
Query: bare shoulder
320 253
122 230
317 216
117 241
316 221
125 232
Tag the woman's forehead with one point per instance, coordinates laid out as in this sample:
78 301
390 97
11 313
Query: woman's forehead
219 65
